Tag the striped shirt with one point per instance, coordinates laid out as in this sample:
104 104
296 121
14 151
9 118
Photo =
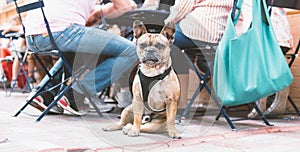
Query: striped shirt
203 20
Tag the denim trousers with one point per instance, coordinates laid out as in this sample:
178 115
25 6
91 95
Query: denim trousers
89 44
208 50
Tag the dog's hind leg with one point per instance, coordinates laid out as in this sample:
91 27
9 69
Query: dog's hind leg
155 126
126 117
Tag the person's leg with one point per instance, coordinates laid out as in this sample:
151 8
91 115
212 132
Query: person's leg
46 60
30 65
181 40
205 58
46 92
120 53
15 71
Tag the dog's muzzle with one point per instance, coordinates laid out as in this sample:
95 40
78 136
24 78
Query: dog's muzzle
151 56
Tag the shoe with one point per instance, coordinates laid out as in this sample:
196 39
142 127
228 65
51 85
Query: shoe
102 107
13 83
77 107
79 110
3 78
39 103
124 98
32 79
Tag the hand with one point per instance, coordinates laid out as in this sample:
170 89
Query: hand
133 5
150 5
15 28
4 31
169 20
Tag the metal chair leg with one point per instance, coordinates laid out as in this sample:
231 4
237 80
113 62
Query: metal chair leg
261 114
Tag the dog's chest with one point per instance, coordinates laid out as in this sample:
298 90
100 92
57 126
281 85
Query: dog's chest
155 91
158 95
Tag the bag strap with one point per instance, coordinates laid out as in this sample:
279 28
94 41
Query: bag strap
236 10
264 12
270 5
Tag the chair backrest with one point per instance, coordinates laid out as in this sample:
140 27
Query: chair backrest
27 7
293 4
40 5
31 6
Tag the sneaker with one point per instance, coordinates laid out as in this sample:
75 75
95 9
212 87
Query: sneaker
77 107
64 103
13 83
39 103
102 107
32 79
124 98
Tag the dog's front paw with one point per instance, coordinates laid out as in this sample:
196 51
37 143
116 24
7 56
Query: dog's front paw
174 134
133 132
127 128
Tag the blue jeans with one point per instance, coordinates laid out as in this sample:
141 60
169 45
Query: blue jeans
206 58
88 44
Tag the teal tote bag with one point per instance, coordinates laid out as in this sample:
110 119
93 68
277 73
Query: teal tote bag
252 65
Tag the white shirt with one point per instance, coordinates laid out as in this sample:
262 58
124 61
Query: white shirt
60 15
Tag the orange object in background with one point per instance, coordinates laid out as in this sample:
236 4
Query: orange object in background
6 64
7 68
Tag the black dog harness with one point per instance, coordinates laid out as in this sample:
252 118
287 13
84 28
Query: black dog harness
147 83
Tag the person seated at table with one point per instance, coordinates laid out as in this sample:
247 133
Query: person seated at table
18 48
72 35
200 24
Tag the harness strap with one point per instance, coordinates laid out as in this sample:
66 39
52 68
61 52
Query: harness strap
147 83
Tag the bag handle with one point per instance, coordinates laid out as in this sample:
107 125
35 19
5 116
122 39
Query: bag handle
236 10
259 8
256 4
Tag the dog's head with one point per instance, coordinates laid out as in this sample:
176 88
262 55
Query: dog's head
153 49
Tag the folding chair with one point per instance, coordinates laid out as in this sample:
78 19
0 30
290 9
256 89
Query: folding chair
293 4
5 61
21 71
292 57
276 97
71 76
204 84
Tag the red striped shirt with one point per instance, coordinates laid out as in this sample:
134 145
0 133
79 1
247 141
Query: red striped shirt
202 20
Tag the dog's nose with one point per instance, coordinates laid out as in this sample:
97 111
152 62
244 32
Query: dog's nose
150 50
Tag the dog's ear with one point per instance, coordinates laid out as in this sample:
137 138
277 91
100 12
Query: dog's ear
168 31
139 29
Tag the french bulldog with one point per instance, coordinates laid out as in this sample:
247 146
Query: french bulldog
156 88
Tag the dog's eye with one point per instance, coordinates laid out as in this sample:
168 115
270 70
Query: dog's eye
160 46
143 45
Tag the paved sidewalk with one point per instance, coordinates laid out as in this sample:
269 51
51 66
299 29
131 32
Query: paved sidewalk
59 133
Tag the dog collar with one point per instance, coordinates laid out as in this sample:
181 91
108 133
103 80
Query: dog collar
147 83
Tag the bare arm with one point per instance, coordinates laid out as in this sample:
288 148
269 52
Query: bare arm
111 10
151 4
14 28
180 9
